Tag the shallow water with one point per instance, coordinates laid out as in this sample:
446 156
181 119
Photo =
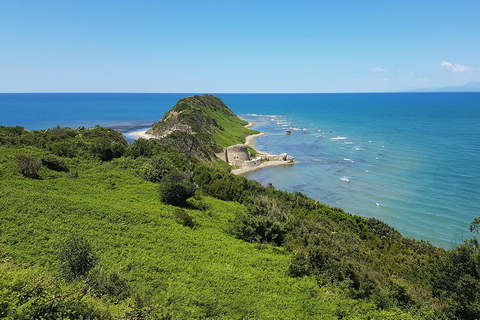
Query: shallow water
410 160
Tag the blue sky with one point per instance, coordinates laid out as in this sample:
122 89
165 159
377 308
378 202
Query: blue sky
237 46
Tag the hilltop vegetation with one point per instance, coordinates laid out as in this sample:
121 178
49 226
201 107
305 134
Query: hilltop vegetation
212 122
93 228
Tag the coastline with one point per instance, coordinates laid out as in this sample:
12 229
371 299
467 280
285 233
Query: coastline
142 134
250 141
241 171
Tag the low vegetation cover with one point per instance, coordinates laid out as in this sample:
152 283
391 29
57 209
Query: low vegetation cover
93 228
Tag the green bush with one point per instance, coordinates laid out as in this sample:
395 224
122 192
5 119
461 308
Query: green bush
76 257
144 148
158 167
175 191
105 150
184 218
254 228
299 266
29 166
53 163
113 285
59 307
73 174
382 229
64 149
458 278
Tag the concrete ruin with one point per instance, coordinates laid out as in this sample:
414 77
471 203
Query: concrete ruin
239 156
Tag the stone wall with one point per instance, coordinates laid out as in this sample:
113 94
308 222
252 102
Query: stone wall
252 163
222 155
237 152
238 155
278 157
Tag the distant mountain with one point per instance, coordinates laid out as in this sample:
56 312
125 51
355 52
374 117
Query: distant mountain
469 87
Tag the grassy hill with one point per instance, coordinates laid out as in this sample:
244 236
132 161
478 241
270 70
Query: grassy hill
86 232
169 270
209 118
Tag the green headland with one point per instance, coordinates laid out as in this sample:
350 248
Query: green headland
94 228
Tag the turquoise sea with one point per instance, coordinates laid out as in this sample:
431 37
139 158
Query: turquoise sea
409 159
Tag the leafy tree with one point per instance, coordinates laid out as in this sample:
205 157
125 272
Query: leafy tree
185 141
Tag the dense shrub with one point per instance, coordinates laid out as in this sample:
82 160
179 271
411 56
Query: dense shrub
226 189
29 166
175 191
59 307
64 149
145 148
256 228
113 285
398 293
73 175
76 257
458 279
158 167
299 266
382 229
183 216
53 163
102 143
106 151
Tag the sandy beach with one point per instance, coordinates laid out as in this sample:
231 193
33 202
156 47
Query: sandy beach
141 134
250 140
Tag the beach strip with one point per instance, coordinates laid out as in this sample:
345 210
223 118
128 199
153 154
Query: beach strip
141 134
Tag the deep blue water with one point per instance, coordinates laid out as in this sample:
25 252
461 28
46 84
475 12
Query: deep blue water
409 159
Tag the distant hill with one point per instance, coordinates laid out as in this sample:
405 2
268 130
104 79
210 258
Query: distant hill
469 87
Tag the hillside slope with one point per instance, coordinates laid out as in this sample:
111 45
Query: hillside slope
150 266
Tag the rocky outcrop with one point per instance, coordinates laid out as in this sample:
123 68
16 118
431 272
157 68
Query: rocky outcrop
279 157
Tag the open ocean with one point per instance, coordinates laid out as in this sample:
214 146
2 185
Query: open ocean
409 159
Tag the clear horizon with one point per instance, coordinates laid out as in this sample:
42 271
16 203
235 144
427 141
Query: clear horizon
237 47
433 90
